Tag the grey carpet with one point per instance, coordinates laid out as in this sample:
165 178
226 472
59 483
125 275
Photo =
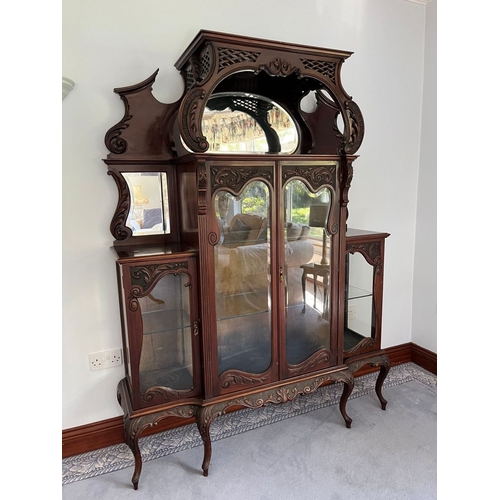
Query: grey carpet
385 455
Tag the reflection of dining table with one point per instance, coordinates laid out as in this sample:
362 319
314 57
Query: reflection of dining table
316 270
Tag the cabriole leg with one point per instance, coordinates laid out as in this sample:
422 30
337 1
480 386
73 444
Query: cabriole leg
348 386
132 440
384 370
204 417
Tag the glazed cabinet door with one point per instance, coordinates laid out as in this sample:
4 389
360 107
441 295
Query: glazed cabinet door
240 251
161 327
270 240
364 273
309 242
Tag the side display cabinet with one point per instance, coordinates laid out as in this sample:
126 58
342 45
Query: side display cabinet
364 281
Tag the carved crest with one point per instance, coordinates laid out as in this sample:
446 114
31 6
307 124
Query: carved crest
279 67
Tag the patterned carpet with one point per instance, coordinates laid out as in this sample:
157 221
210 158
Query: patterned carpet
117 457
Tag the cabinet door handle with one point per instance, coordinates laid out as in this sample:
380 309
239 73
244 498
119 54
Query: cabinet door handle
196 328
282 275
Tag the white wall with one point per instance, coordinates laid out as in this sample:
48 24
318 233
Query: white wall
119 43
424 328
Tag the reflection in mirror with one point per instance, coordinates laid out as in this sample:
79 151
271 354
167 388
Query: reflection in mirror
242 279
307 250
148 212
247 123
359 321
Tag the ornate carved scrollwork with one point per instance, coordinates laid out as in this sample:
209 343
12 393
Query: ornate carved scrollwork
165 393
191 115
347 173
361 346
375 361
117 227
113 140
355 128
134 427
234 377
235 178
278 395
279 67
316 177
321 357
371 252
144 277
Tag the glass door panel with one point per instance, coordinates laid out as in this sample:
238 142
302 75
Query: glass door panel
307 270
166 356
359 321
242 279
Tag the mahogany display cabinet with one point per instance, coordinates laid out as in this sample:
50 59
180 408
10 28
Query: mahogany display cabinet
239 283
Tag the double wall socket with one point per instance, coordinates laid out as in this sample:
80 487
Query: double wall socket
105 359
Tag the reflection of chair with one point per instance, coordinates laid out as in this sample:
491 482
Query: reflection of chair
246 229
316 270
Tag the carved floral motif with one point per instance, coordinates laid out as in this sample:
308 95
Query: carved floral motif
145 276
279 67
235 178
316 176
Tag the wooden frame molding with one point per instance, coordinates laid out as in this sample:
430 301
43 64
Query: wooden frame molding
109 432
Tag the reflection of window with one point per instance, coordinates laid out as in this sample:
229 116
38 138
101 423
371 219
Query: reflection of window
242 123
298 201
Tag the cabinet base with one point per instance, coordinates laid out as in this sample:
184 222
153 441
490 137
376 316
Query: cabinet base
135 422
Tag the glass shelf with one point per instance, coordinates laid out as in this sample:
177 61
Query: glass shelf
175 377
242 304
164 320
357 293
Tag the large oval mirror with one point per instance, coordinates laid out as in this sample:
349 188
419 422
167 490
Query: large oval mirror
238 122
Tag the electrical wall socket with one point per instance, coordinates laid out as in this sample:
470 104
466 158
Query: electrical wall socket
351 312
105 359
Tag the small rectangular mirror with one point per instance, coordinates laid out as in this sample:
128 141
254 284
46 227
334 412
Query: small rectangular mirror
148 212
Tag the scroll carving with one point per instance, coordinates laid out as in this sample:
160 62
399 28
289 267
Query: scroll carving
316 177
325 68
189 121
117 227
235 178
374 361
238 377
144 277
113 140
279 67
361 346
321 357
134 427
371 252
166 393
356 127
347 175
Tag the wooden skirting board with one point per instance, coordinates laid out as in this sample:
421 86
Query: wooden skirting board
109 432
